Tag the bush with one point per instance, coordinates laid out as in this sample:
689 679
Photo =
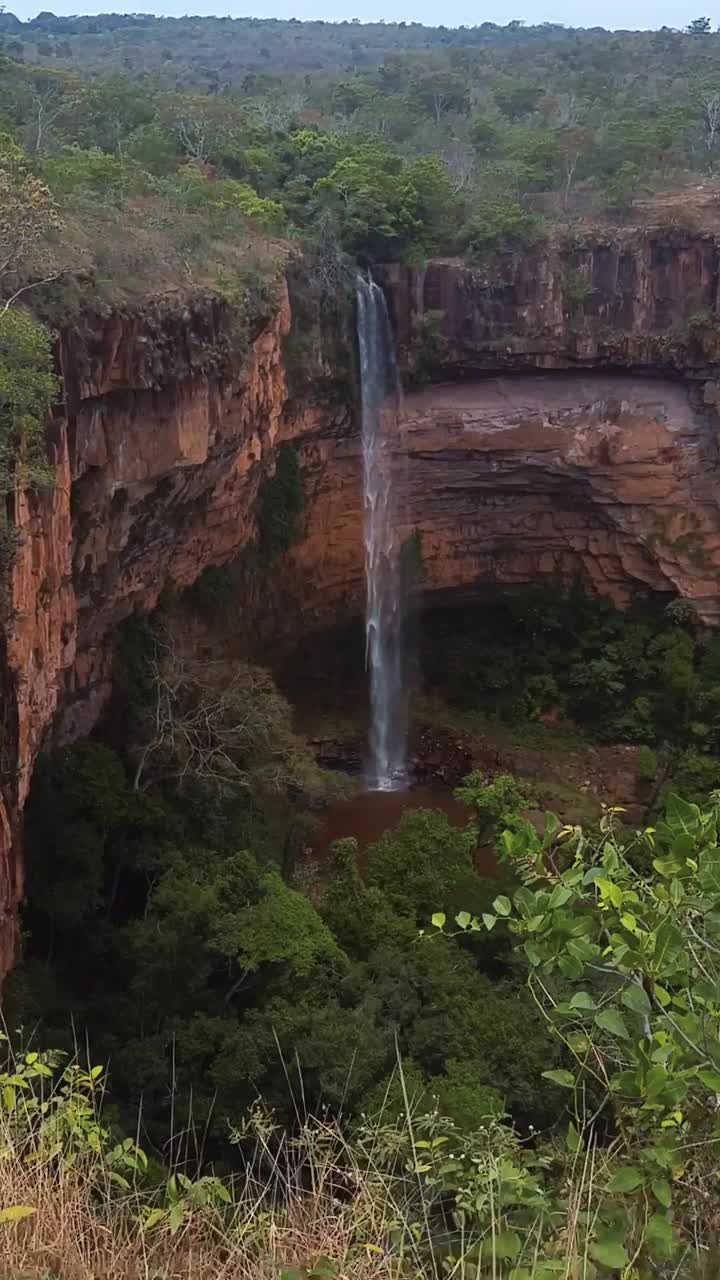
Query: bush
74 168
646 764
280 503
499 222
27 390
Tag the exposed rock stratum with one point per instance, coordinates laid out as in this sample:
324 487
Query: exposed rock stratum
556 439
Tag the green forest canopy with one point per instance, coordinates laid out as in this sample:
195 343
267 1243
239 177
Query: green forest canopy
198 134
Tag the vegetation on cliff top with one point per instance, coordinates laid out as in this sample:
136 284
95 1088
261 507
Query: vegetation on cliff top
146 155
397 141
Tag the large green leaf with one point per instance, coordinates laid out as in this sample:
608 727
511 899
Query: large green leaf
680 815
559 896
625 1180
660 1236
571 967
610 1253
506 1244
662 1191
669 947
609 892
635 998
710 1078
564 1078
612 1021
582 1000
709 874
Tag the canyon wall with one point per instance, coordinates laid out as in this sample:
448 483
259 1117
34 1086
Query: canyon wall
608 478
637 298
592 450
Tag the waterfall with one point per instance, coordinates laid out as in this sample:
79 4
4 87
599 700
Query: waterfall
380 388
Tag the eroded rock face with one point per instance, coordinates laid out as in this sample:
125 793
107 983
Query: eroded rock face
631 298
508 478
511 480
158 461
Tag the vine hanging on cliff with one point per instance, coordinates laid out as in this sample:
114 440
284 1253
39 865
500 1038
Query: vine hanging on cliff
281 500
27 389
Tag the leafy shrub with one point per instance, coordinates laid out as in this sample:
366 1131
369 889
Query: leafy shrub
583 909
280 503
646 764
91 169
499 222
27 390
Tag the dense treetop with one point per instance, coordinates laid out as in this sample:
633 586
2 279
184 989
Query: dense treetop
221 50
204 139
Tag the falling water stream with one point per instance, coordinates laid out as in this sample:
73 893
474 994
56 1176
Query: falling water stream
380 388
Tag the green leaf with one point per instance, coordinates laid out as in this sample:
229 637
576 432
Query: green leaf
463 919
502 905
438 919
662 1191
635 998
610 1253
582 1000
573 1141
625 1180
660 1235
489 921
680 815
609 892
669 946
564 1078
666 867
16 1212
176 1217
612 1021
656 1080
559 896
570 967
592 875
709 874
506 1245
155 1216
710 1078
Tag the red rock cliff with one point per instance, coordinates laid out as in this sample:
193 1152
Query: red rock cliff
168 427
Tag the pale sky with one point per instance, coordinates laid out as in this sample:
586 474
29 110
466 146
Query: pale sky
617 14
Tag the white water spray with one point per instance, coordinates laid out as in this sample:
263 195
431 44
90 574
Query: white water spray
380 387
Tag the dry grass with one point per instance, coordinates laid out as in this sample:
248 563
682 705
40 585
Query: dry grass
110 252
82 1230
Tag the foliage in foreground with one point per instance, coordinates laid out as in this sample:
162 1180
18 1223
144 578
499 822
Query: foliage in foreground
619 938
620 935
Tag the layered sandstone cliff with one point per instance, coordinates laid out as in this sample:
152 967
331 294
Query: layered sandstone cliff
608 478
641 298
171 422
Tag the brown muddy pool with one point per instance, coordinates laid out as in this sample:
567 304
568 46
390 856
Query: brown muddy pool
369 814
